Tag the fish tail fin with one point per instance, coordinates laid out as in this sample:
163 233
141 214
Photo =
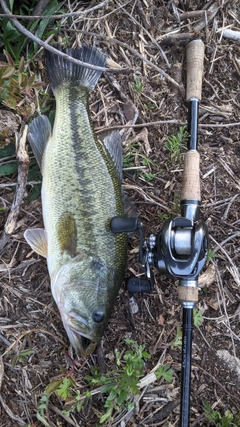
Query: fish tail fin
61 70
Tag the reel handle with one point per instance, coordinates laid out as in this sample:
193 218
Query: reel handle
195 58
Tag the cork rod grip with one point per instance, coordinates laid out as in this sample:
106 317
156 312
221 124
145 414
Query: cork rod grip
188 294
195 58
191 178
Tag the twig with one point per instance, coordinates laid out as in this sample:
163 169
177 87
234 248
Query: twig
230 172
13 417
1 371
232 200
6 342
162 122
233 398
135 52
65 417
212 11
147 32
220 245
13 184
140 125
40 6
46 46
230 34
235 269
176 37
222 296
220 125
64 15
23 162
194 14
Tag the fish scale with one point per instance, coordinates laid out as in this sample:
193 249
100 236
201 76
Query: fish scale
81 192
91 191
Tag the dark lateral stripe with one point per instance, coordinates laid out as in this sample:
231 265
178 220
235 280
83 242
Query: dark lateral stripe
87 208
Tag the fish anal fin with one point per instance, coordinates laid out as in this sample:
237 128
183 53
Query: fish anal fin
39 132
67 234
37 239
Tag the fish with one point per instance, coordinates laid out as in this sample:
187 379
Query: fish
81 193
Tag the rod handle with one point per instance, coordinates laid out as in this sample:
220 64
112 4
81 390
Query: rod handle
191 179
195 59
188 294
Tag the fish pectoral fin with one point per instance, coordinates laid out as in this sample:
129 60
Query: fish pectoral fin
37 239
39 132
113 145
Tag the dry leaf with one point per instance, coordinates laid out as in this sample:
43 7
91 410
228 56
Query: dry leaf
161 320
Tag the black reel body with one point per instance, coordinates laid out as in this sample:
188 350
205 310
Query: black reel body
179 250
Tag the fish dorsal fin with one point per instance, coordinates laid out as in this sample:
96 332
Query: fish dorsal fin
39 132
37 239
67 234
113 144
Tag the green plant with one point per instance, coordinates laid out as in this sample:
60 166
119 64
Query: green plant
118 386
137 86
166 372
216 419
14 41
42 408
197 317
21 356
211 255
177 342
141 166
177 142
121 384
16 85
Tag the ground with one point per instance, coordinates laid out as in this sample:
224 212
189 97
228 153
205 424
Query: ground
148 39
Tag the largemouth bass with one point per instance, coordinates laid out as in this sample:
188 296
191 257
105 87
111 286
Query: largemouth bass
81 192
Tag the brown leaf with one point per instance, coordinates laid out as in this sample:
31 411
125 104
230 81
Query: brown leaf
161 320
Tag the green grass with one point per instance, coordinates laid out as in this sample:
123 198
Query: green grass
215 418
118 386
176 143
14 42
137 86
211 255
137 163
197 321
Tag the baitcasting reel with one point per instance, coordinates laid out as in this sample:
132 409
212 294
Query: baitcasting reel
179 250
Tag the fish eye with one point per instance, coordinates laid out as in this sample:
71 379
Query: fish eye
98 316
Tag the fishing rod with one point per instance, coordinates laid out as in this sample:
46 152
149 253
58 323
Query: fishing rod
180 249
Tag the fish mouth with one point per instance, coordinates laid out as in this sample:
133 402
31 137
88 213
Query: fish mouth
81 343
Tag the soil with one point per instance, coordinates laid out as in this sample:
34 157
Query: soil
147 38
